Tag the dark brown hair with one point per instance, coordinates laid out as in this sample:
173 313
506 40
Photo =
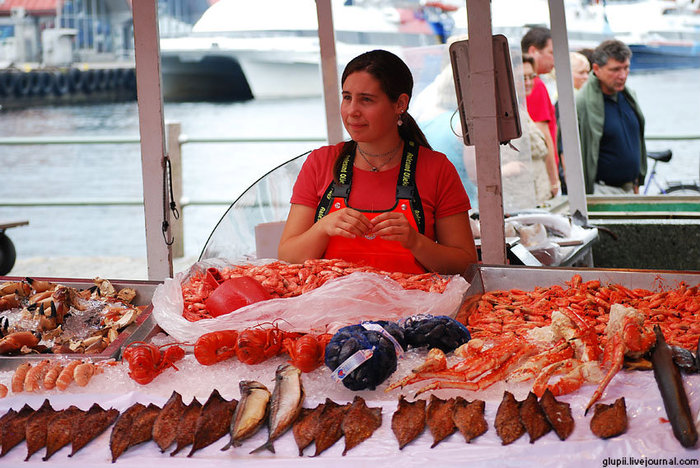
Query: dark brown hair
610 49
537 36
395 79
527 58
588 53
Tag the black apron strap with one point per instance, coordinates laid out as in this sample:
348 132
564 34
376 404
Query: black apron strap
406 188
333 191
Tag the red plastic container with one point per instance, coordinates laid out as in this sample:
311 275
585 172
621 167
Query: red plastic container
234 293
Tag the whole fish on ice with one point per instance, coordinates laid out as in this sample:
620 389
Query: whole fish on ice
286 404
250 412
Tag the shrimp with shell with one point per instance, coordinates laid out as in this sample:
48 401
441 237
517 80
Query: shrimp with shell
308 351
83 373
35 376
66 376
52 375
19 376
146 361
216 346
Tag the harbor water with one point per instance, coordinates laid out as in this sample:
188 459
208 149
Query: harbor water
220 171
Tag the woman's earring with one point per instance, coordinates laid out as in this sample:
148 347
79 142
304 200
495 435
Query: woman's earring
399 122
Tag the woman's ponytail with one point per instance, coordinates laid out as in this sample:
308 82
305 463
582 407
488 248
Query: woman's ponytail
410 130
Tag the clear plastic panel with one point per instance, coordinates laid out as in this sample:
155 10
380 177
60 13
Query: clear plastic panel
434 100
266 201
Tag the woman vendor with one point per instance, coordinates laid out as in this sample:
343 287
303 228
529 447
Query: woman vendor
384 198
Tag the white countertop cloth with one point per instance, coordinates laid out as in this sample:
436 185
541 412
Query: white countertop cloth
647 435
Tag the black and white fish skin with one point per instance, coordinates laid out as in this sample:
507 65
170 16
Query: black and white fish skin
285 405
250 413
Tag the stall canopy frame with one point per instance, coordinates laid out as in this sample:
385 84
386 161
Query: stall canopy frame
151 123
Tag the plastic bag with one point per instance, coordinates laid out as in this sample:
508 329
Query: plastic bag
557 224
531 235
343 301
548 253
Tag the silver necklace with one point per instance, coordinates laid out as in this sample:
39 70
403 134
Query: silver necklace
391 152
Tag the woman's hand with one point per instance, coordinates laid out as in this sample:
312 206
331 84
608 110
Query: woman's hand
303 239
555 189
395 227
345 222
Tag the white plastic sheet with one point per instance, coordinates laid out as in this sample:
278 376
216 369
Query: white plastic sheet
343 301
647 437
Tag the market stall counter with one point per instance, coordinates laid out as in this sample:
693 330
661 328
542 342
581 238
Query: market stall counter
647 434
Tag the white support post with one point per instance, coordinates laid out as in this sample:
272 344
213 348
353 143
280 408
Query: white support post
329 71
484 111
151 127
576 190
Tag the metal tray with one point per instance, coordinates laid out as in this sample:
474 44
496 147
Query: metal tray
140 329
483 278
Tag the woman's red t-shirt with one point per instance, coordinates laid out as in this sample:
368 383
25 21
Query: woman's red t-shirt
439 186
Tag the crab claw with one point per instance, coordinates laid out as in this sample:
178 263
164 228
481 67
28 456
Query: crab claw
618 356
17 340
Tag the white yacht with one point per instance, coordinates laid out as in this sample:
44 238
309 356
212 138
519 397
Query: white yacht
661 33
270 49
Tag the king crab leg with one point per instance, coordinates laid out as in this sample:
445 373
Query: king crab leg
534 365
617 359
626 334
496 374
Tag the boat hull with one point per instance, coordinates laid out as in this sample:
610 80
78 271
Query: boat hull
272 80
664 56
210 77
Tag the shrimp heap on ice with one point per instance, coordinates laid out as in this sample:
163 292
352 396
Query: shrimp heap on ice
581 335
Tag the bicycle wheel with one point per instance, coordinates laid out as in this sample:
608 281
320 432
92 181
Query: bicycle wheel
683 189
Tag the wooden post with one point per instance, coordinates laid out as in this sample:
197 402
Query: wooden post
150 105
488 156
329 71
172 131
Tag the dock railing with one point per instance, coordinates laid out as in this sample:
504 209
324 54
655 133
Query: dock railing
174 144
175 140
